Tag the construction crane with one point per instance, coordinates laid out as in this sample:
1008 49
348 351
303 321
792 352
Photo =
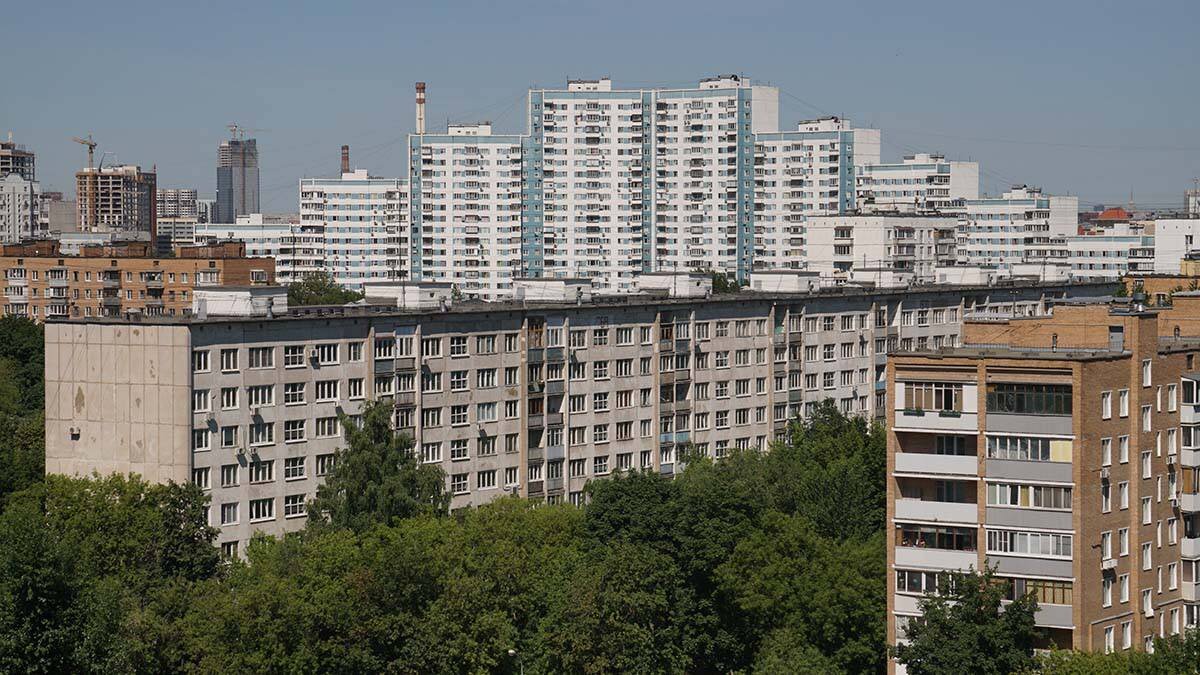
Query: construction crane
93 178
239 132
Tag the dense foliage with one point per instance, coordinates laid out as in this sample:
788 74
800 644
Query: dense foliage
965 629
732 566
723 284
22 393
320 288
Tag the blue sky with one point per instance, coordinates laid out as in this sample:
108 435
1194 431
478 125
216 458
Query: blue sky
1088 98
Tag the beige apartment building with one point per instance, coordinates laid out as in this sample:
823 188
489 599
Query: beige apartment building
116 280
1063 450
525 397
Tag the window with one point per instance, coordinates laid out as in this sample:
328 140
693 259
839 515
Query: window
1147 560
229 398
262 357
201 477
293 468
354 352
510 476
1123 449
458 415
229 360
1029 543
458 483
1123 399
327 354
1029 399
229 513
458 345
293 506
261 396
200 361
327 390
1146 378
200 440
1147 514
327 427
600 465
1123 494
293 393
325 464
201 401
485 412
1146 420
262 471
293 356
485 480
928 395
229 475
262 509
1017 447
262 433
354 388
293 431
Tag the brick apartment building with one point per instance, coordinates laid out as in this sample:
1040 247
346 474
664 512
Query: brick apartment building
1064 451
116 280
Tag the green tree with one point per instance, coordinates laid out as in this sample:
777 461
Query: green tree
22 349
964 629
722 283
377 478
80 557
319 288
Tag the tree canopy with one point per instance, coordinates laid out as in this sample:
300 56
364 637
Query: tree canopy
320 288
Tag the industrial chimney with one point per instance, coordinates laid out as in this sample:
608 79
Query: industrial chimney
345 159
420 107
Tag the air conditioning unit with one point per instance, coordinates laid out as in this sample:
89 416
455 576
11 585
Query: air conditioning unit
1171 459
1104 473
314 353
241 451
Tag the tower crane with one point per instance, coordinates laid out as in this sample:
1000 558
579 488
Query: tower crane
93 178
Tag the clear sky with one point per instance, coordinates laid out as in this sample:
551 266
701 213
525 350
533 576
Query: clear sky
1088 98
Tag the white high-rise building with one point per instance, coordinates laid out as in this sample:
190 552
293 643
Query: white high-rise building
298 249
20 198
466 208
1110 254
839 245
362 223
921 183
1173 239
1022 225
803 173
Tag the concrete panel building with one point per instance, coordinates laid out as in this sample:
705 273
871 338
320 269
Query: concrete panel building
920 183
1062 451
532 398
837 245
362 225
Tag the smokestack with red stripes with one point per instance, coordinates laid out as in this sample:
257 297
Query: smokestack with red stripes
345 159
420 107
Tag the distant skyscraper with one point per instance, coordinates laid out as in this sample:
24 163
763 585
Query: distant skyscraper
237 179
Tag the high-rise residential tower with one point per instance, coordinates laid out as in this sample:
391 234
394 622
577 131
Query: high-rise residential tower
237 179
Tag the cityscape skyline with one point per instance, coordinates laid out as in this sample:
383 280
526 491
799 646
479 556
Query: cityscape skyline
1060 126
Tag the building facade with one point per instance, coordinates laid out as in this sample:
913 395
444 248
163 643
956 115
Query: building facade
920 183
120 279
177 203
237 180
522 397
116 199
17 159
914 244
20 204
1060 450
298 249
1022 225
363 223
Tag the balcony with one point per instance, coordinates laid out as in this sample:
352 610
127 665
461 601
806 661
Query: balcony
554 452
1189 547
537 387
1189 413
1190 591
1060 425
385 366
406 399
935 558
939 512
555 387
536 355
941 465
1189 501
936 420
535 487
536 421
58 282
554 419
554 354
407 363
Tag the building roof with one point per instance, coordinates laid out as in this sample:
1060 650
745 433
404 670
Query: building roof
615 302
1114 214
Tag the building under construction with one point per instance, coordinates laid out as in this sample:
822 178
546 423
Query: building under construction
116 198
237 178
16 159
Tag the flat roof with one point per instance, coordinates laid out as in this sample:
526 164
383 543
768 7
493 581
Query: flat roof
461 307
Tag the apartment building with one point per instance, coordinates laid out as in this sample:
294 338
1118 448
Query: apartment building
17 159
119 279
466 197
915 245
1022 225
177 203
116 199
804 173
533 398
360 223
1061 450
20 204
920 183
1109 254
297 248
